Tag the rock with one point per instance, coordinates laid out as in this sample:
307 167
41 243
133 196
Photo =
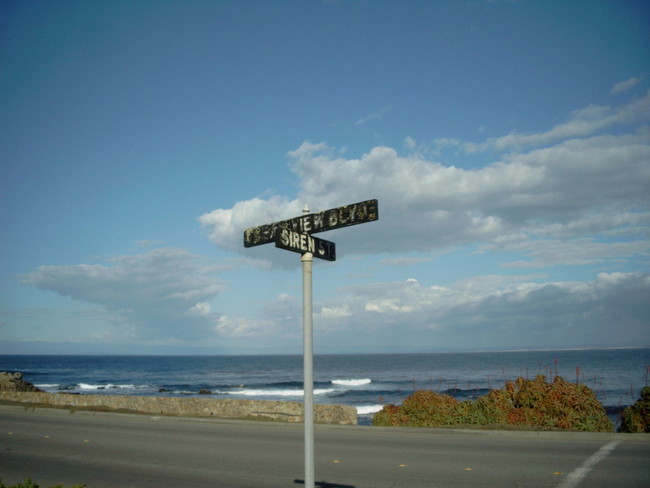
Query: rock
204 391
14 382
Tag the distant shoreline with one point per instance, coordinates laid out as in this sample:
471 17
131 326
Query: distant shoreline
292 354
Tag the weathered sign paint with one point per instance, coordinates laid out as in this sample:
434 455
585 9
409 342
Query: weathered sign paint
302 243
334 218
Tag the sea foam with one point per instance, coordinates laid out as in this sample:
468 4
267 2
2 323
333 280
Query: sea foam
279 393
368 409
352 382
109 386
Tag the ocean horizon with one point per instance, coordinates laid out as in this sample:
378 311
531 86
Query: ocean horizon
366 381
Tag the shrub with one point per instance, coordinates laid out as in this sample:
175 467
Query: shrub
636 418
30 484
525 403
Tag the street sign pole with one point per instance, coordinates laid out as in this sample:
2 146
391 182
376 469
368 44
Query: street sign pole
296 235
308 364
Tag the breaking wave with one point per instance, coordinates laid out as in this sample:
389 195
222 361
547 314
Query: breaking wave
278 393
352 382
368 409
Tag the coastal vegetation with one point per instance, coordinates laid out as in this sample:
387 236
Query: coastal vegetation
523 403
636 418
28 483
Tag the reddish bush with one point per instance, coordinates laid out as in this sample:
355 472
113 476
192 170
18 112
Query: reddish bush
636 418
529 403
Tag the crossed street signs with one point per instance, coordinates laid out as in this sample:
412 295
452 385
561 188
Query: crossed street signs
295 234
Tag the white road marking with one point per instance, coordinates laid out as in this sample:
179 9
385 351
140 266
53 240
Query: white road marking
578 474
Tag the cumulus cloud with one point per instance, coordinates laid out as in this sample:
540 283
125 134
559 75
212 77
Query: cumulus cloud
162 294
570 187
282 319
494 311
573 195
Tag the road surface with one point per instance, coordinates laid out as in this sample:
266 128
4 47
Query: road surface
106 450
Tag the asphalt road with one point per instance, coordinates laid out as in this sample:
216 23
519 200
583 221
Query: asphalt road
105 450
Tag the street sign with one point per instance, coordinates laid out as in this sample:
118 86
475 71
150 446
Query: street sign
295 235
334 218
302 243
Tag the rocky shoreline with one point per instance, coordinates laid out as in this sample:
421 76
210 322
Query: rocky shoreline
13 389
15 382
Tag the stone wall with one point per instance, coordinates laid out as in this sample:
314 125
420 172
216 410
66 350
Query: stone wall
188 407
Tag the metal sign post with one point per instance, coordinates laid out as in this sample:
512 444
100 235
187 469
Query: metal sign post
295 235
308 364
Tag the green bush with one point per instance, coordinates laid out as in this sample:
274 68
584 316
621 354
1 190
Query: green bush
636 418
522 403
30 484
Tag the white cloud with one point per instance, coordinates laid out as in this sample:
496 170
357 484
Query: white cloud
495 311
577 188
492 310
376 115
228 224
238 327
578 251
201 309
570 196
625 85
161 294
403 261
334 312
574 197
582 123
409 142
279 319
386 305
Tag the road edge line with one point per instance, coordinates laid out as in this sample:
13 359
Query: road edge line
580 473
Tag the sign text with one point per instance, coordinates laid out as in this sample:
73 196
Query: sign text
335 218
302 243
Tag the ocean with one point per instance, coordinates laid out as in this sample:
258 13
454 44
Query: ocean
365 381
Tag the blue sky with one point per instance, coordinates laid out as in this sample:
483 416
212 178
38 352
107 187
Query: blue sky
507 143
